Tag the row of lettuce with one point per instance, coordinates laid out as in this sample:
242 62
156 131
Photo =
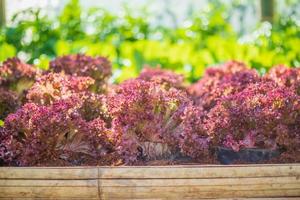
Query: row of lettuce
71 115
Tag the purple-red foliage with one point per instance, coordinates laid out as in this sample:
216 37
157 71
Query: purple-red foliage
146 119
221 81
284 76
143 119
98 68
194 140
162 76
4 154
9 102
56 134
16 75
94 106
263 115
55 86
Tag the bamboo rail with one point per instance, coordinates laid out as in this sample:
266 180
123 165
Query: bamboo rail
280 181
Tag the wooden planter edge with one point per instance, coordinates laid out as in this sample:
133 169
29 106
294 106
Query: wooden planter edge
151 182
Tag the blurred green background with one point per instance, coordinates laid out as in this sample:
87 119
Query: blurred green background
130 41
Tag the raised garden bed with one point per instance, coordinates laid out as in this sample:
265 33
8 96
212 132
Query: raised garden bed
71 116
280 181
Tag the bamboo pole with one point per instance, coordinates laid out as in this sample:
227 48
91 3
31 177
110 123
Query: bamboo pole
2 13
267 10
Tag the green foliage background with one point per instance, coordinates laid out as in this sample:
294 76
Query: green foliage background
131 42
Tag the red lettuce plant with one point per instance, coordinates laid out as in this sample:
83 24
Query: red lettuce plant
263 115
53 135
4 154
162 76
194 140
16 75
98 68
283 76
55 86
9 102
217 82
94 106
146 119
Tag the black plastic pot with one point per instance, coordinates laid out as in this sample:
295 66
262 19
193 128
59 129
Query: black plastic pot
228 156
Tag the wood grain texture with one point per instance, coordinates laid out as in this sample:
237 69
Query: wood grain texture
50 192
200 171
245 182
191 193
47 173
194 182
199 182
49 182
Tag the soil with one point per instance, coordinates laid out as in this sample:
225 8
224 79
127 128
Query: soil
114 160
